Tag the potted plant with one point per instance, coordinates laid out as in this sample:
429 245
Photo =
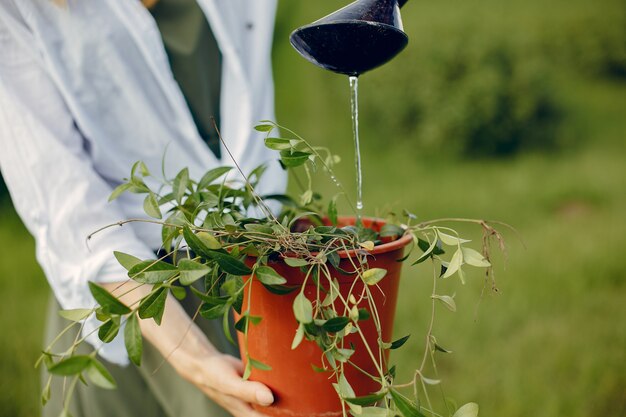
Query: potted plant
320 287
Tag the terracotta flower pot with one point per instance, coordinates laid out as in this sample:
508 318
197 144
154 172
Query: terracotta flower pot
298 389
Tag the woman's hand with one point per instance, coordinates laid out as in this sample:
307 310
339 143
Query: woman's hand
219 377
195 359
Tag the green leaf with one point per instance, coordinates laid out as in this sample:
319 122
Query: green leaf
212 175
447 301
303 309
268 276
133 340
213 311
461 275
102 314
255 175
45 393
119 190
295 262
398 343
259 365
427 252
226 261
109 330
226 327
152 272
232 285
73 365
281 289
153 305
451 240
151 206
229 264
367 399
344 390
335 261
178 292
336 324
333 293
126 260
332 211
467 410
247 371
430 381
195 243
244 320
441 349
209 240
342 355
179 185
293 159
374 275
106 300
424 245
76 315
374 412
100 376
404 405
263 127
209 299
367 245
455 264
306 197
278 144
191 271
298 337
474 258
259 228
143 169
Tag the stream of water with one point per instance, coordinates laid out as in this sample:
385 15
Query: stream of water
354 98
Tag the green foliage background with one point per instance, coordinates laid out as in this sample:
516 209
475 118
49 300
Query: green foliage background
504 110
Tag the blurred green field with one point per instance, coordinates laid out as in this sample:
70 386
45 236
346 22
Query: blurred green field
553 341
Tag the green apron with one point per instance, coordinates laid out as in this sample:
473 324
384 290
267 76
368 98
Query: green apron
196 65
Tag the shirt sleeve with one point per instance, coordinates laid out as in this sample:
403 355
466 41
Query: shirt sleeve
55 189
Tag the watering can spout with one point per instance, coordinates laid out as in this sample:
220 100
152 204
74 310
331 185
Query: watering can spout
357 38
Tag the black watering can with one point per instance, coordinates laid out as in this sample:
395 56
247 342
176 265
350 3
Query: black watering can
355 39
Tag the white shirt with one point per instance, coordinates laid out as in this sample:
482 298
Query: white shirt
85 91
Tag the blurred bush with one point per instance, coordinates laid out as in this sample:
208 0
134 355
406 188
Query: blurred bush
485 83
595 45
473 98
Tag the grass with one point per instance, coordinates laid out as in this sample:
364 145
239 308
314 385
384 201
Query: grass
25 294
552 342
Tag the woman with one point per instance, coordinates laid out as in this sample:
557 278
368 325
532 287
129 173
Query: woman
88 87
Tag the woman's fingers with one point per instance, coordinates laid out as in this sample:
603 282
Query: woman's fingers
234 406
230 383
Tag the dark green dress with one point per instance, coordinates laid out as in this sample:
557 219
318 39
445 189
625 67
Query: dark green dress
196 64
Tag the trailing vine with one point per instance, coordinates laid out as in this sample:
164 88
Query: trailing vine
209 237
